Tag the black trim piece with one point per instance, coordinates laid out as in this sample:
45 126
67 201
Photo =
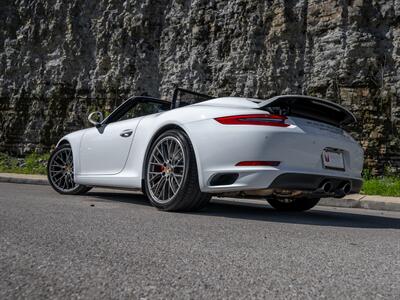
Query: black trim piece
176 102
223 179
311 182
127 104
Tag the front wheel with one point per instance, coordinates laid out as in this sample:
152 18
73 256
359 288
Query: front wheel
170 174
60 172
293 204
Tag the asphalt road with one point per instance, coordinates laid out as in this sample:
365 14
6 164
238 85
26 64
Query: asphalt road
112 244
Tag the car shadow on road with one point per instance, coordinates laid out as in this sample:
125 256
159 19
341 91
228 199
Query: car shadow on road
320 216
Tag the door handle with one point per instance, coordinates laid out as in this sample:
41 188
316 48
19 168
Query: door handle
126 133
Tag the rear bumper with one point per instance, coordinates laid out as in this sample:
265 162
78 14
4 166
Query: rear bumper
219 148
271 178
311 182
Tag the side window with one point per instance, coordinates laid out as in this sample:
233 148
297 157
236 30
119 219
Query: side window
139 109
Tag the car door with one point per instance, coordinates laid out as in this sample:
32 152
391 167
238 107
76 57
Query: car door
104 149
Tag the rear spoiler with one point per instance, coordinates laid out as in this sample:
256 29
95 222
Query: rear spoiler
309 108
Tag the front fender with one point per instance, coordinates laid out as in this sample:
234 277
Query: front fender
74 140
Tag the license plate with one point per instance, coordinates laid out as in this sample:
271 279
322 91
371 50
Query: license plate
333 159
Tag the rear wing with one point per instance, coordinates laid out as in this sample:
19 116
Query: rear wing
309 108
183 97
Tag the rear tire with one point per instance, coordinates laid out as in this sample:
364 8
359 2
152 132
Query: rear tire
170 174
293 204
60 172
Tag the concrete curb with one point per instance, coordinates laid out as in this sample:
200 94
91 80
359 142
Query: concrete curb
364 201
22 178
350 201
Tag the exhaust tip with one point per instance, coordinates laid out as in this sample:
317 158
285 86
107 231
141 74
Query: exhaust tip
327 186
346 188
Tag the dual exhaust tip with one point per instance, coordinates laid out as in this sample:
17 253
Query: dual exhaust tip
343 189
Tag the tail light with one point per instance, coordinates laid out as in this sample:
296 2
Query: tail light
255 119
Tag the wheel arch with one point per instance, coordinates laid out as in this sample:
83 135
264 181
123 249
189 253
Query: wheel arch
160 131
74 143
63 141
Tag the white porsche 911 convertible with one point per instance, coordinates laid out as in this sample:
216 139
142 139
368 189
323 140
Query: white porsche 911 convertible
291 150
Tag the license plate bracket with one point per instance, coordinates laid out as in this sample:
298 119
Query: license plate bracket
333 159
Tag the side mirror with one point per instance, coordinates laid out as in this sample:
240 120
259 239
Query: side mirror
96 118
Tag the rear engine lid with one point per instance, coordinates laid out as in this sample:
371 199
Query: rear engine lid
307 107
318 128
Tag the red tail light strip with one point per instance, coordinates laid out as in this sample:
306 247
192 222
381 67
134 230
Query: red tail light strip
256 119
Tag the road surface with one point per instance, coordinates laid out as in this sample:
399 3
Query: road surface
113 244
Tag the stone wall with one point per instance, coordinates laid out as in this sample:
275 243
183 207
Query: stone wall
61 59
